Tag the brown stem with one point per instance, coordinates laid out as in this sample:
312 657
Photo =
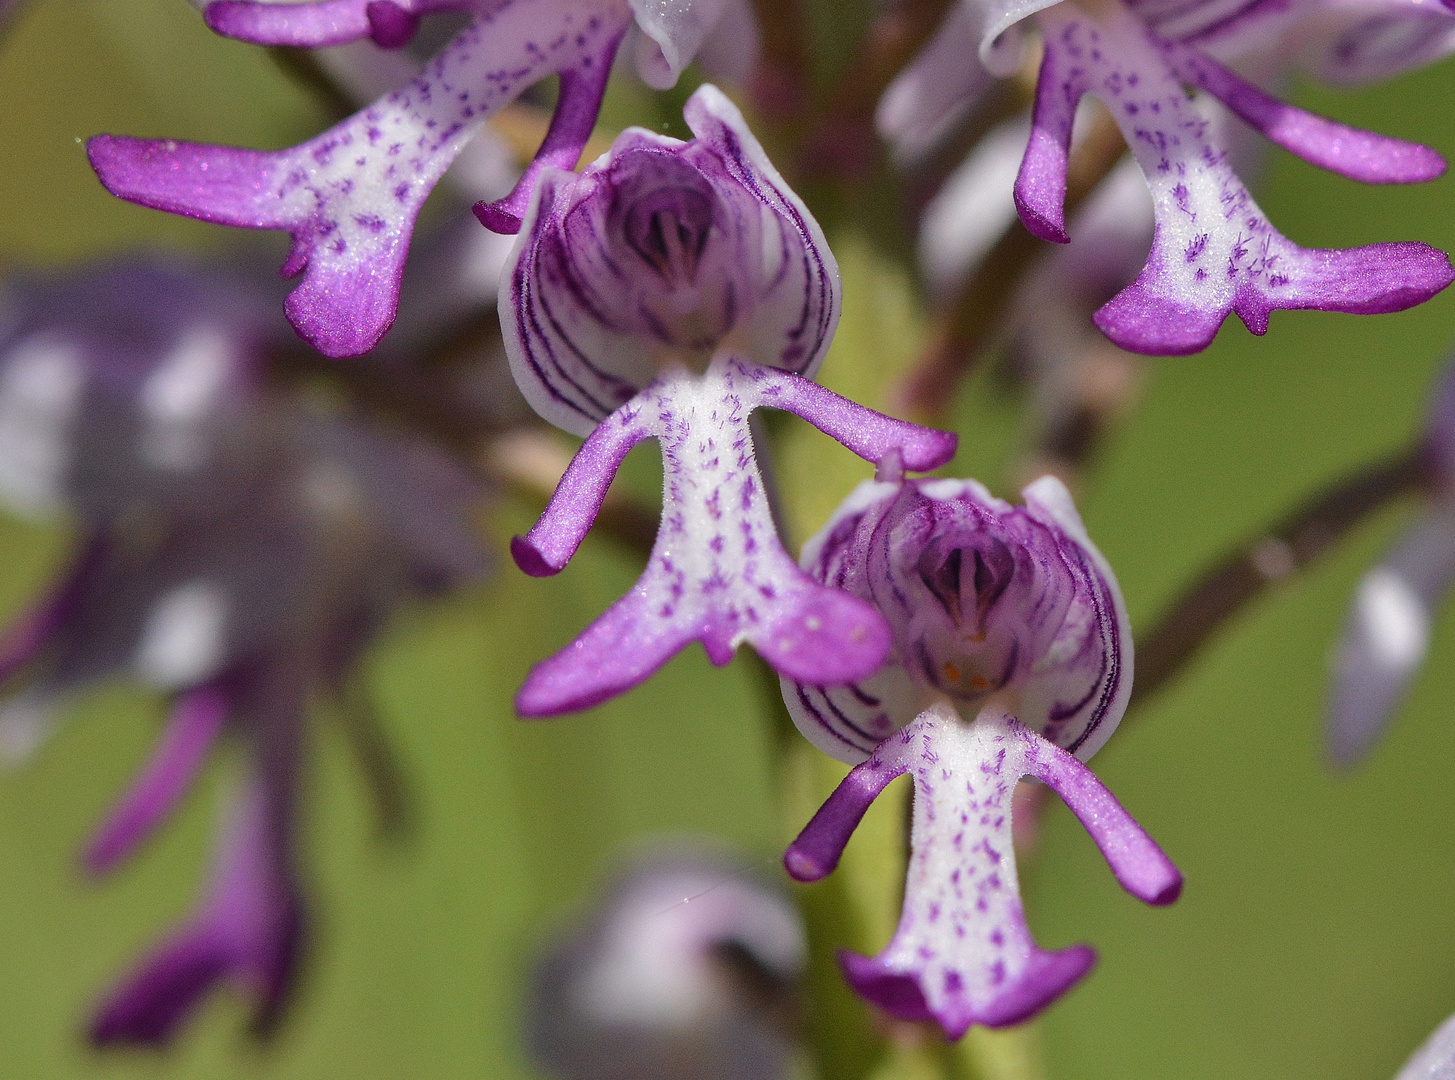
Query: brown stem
526 458
963 330
1264 559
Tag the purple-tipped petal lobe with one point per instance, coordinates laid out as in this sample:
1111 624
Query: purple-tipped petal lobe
578 103
1359 155
962 953
817 850
350 197
1214 253
389 23
247 930
1139 864
197 719
718 573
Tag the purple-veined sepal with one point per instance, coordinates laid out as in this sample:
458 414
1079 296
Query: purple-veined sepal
661 253
986 600
962 953
1359 41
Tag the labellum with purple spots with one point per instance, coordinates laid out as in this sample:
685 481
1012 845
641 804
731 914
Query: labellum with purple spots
1012 657
665 293
350 196
1214 253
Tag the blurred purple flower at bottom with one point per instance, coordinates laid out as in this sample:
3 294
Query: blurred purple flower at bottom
687 970
1012 657
238 549
666 292
1387 635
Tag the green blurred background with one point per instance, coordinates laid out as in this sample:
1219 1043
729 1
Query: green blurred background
1316 935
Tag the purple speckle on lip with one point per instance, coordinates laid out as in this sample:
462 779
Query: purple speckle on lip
1204 214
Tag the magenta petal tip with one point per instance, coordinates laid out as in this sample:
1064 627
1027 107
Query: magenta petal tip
390 26
529 558
803 867
496 219
899 993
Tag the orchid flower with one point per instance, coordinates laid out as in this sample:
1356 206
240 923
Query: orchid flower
1214 253
350 196
1387 635
1012 657
239 552
665 293
683 970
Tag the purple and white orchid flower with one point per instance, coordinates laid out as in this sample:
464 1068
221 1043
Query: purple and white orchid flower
667 292
1214 253
1387 635
350 196
238 552
686 968
1012 657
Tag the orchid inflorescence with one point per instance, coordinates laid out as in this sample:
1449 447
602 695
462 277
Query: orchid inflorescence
252 502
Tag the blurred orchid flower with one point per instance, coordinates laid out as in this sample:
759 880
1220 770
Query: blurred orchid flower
1436 1059
686 969
1012 657
1387 635
665 293
1213 253
350 197
238 551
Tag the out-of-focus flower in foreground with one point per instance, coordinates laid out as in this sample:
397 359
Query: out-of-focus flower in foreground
238 550
350 196
1387 635
687 970
1214 253
665 293
1012 657
1436 1059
